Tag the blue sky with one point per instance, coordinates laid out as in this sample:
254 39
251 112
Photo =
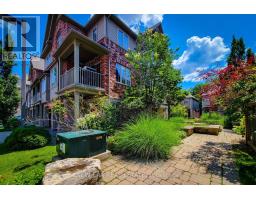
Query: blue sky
203 40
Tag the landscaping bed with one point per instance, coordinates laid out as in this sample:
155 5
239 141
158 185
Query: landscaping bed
148 138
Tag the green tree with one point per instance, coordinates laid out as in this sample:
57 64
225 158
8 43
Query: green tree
237 52
156 79
9 97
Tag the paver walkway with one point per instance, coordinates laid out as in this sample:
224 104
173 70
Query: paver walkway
201 159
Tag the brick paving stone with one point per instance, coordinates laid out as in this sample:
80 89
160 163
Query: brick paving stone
114 181
202 180
164 182
140 183
200 159
121 171
162 174
177 173
170 170
125 182
131 179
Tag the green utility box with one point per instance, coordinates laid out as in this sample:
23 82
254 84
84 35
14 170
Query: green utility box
81 144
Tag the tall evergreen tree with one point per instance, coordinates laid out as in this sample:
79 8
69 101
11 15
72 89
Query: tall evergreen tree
237 53
9 96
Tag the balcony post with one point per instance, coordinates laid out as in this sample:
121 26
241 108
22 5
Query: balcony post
76 62
59 74
76 105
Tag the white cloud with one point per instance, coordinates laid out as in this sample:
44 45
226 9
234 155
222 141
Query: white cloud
201 53
135 21
195 76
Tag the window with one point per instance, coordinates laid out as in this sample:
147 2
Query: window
123 74
123 39
53 77
94 34
125 44
48 59
43 85
59 39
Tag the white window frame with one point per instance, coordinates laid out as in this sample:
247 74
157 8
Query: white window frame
123 34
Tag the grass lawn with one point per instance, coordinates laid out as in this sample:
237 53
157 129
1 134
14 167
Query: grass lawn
24 167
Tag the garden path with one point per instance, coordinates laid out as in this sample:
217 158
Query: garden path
200 159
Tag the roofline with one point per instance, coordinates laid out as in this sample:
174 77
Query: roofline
93 20
52 18
73 34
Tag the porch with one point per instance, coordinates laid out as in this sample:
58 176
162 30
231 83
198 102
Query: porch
80 64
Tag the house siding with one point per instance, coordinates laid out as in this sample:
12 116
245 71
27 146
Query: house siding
101 29
113 29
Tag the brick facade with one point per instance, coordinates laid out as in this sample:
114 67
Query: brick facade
117 55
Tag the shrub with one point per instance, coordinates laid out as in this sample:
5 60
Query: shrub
246 164
102 115
240 129
32 176
179 111
212 118
12 123
29 137
147 138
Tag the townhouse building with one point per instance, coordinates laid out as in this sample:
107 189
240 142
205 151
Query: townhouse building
84 60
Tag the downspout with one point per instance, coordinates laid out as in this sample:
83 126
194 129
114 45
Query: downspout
108 57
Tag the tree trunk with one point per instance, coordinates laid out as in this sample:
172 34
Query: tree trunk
247 128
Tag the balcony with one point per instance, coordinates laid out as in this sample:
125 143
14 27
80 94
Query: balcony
36 97
75 54
86 78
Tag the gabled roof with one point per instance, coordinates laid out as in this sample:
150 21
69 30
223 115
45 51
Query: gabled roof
37 63
157 27
191 96
95 18
50 28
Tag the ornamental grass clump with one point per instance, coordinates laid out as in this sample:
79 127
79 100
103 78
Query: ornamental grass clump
149 138
212 118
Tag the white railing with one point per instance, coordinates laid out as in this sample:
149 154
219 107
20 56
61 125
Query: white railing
86 78
67 78
90 78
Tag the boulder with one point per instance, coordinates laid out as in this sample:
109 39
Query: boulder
72 171
211 129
